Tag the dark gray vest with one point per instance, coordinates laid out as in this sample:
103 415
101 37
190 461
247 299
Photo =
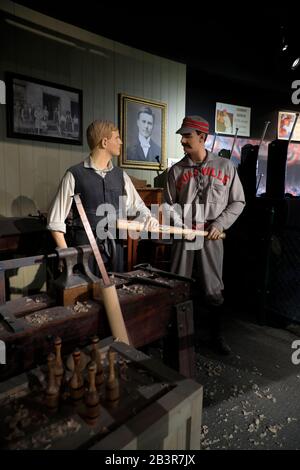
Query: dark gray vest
95 190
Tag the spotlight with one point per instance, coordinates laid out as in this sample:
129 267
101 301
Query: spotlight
295 63
284 42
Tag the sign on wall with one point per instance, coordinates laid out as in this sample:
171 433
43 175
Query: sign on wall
229 117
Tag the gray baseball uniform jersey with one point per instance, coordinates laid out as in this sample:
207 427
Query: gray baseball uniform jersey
215 184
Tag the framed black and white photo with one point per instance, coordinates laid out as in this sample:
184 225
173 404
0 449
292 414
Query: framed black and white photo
143 131
40 110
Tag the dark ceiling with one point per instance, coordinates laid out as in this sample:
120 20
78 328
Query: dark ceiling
238 44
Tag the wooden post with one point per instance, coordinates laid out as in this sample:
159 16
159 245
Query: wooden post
2 286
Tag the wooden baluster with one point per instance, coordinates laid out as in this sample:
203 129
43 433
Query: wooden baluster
52 392
92 396
112 384
96 357
76 382
59 368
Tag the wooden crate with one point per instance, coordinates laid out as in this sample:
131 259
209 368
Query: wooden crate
158 409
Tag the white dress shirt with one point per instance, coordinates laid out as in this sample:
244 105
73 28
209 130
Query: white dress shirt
145 144
62 202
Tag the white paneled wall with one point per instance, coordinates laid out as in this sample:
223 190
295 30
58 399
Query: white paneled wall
30 171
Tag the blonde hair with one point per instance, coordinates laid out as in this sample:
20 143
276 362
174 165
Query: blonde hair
97 131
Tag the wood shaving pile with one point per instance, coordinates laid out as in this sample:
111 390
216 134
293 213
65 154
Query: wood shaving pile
81 307
133 290
213 370
38 318
48 435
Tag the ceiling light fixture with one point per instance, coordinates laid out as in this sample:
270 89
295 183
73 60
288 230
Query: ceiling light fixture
284 43
295 63
43 34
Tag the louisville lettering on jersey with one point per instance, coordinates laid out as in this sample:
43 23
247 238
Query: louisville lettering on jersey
206 171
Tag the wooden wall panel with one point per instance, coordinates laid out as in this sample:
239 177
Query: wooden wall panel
31 171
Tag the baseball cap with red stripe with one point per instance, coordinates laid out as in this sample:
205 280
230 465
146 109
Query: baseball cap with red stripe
193 123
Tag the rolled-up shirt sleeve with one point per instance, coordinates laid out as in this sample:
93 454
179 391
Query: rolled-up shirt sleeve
61 204
134 202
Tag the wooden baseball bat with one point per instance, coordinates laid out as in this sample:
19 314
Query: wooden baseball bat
108 291
134 226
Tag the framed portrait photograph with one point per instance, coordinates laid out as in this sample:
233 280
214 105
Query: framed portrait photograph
285 124
40 110
143 131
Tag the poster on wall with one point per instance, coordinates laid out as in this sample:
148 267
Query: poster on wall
229 117
286 121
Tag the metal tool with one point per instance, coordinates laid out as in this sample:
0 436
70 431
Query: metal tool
294 125
263 134
91 238
234 140
73 256
150 269
142 280
214 141
159 162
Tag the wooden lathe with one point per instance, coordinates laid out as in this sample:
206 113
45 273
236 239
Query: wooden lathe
155 305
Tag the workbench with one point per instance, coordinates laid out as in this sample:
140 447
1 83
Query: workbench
151 312
156 409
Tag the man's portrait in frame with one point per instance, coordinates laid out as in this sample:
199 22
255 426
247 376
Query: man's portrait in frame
143 133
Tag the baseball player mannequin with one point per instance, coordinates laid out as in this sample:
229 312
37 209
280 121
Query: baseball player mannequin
202 177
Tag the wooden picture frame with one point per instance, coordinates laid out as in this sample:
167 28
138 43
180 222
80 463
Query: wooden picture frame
143 132
285 125
44 111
